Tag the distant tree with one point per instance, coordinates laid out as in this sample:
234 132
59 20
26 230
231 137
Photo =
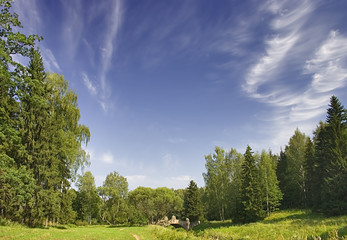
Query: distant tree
235 160
334 187
192 202
114 193
271 193
217 183
251 195
294 184
88 197
142 199
166 202
310 176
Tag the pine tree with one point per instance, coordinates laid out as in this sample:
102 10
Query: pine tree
192 202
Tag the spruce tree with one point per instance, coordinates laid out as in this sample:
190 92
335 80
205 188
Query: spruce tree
334 187
192 202
251 191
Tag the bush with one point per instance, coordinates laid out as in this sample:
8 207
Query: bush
81 223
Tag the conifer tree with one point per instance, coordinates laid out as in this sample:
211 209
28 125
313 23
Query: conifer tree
251 191
334 187
192 202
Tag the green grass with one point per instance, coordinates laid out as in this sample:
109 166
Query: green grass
295 224
87 232
281 225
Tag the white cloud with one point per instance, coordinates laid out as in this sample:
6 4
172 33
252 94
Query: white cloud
107 158
90 86
107 50
49 60
325 72
182 178
73 26
329 66
286 25
28 15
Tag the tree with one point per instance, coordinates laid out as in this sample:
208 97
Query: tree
235 160
251 192
167 203
217 183
192 202
334 188
142 199
114 193
310 171
294 176
271 193
88 197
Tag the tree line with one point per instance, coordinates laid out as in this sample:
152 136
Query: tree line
310 173
41 151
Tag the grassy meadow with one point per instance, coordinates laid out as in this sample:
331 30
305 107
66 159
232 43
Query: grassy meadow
294 224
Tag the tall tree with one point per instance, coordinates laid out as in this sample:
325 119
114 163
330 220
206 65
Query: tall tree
271 193
310 176
251 192
114 193
235 177
192 202
88 197
334 187
217 183
294 175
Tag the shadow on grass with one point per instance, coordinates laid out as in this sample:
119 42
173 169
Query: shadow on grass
303 216
340 233
212 225
124 225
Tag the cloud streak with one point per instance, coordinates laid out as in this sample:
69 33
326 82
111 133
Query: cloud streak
107 51
90 86
268 79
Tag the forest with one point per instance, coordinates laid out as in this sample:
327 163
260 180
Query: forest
41 152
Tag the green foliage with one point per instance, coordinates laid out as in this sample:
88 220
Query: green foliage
192 203
87 202
293 181
334 187
114 193
251 195
218 184
40 137
151 205
269 185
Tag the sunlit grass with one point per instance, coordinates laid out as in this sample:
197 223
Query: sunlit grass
295 224
87 232
283 225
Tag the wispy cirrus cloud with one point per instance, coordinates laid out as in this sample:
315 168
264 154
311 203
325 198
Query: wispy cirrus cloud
50 62
89 84
31 19
270 81
112 15
114 21
73 26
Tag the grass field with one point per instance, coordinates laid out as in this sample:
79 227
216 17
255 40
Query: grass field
281 225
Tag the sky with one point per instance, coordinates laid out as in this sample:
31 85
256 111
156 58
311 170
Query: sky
161 83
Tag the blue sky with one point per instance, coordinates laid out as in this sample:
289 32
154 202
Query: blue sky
161 83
